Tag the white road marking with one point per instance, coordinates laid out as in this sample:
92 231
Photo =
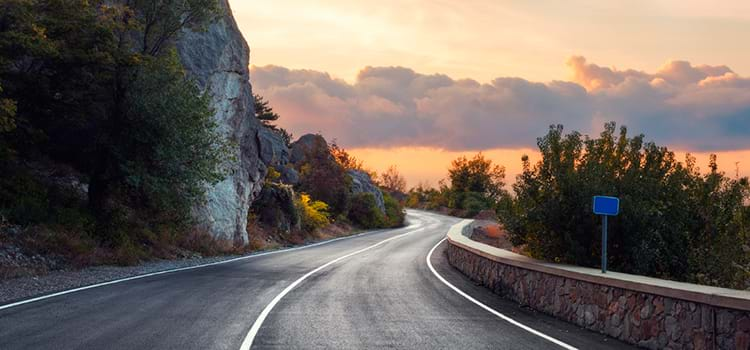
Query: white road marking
248 342
69 291
491 310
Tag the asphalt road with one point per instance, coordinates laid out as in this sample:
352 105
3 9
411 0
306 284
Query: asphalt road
372 291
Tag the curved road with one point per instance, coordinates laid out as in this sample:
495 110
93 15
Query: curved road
371 291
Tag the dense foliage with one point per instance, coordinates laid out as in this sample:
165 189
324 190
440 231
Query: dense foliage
314 214
394 211
97 86
323 192
674 223
476 184
364 211
324 179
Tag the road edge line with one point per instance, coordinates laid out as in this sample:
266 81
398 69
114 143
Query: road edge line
491 310
151 274
247 343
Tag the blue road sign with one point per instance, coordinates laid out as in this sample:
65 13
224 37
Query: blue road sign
604 205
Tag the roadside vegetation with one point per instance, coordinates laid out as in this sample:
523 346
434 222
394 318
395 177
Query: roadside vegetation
323 200
676 222
474 185
106 145
92 93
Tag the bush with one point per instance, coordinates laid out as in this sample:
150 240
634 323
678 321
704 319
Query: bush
314 213
674 222
323 178
394 212
364 211
23 200
473 203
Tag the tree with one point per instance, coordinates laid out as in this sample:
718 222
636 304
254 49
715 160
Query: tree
97 85
143 33
392 180
173 148
323 178
475 184
674 222
160 21
364 211
346 160
314 214
263 111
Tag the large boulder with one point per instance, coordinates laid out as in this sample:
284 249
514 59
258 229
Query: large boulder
305 145
273 150
217 59
275 153
362 183
275 208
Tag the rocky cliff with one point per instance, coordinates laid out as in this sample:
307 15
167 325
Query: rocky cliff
362 183
360 180
218 60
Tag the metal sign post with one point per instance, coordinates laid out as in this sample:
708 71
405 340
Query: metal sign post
606 207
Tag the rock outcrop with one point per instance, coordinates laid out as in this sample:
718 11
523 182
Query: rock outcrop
217 59
305 145
274 152
275 208
362 183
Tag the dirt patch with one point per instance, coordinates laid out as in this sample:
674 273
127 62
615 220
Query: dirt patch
265 238
491 233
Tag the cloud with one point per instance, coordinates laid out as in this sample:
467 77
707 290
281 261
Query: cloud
701 108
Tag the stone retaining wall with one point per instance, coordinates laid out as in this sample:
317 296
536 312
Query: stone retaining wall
636 315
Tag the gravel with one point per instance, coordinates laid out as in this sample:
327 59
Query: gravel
26 287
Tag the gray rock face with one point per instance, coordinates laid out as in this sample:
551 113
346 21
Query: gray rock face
218 60
275 208
305 144
362 183
275 153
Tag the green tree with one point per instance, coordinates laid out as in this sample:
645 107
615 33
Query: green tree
674 222
475 184
263 110
364 211
172 149
394 211
265 113
477 175
323 178
98 85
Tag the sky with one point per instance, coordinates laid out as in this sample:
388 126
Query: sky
415 83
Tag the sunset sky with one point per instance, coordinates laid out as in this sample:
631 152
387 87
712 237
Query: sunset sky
416 83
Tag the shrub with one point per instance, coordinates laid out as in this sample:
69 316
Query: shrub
674 221
364 211
323 178
314 213
23 200
473 203
394 212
